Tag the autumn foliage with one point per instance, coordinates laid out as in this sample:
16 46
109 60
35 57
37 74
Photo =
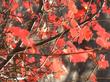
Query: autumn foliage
37 34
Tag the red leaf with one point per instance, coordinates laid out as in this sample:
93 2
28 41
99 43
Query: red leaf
74 32
103 43
14 30
52 17
31 60
93 78
17 31
98 27
15 5
81 57
24 33
85 33
60 43
72 9
80 13
102 63
26 4
72 6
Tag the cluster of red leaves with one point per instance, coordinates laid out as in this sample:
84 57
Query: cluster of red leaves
55 66
22 34
79 35
103 36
